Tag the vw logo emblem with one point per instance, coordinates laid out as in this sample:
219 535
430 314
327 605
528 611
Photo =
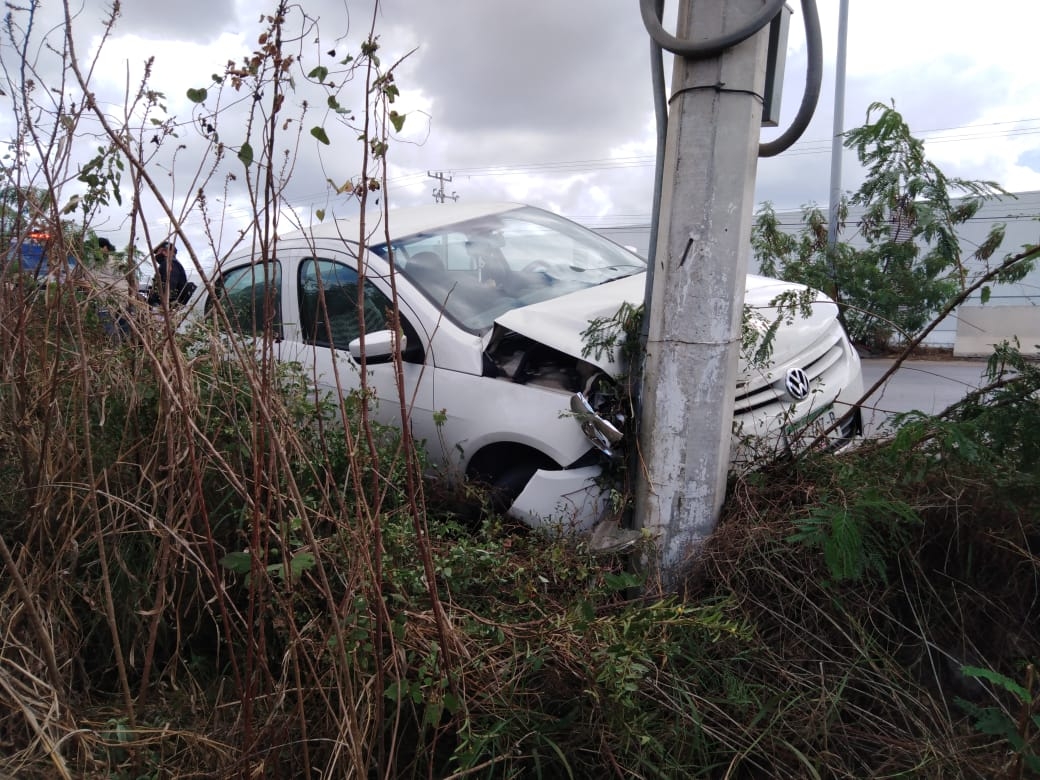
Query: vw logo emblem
797 383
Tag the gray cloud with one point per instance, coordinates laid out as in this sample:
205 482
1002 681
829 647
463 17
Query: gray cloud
524 86
199 21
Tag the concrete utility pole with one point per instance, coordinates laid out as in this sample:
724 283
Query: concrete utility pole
839 123
696 308
438 194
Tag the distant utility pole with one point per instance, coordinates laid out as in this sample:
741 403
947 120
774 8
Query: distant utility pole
438 194
696 307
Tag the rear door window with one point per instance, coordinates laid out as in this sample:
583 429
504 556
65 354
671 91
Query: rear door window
250 296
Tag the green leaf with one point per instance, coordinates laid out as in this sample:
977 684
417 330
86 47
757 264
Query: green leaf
451 703
320 73
985 294
621 581
197 95
300 563
432 715
994 722
397 120
586 610
238 562
320 214
396 690
245 154
997 678
319 133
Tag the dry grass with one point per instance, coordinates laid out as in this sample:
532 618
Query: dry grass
871 666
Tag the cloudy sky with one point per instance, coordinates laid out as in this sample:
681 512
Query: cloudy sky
550 102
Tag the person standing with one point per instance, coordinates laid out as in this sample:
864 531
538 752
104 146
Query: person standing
170 280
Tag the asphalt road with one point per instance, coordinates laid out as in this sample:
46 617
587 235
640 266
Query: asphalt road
929 386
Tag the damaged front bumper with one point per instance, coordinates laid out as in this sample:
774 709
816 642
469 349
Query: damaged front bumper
568 500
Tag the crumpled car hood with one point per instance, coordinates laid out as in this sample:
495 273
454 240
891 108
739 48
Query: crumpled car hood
560 322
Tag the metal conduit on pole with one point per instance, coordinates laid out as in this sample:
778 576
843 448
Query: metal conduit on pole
693 335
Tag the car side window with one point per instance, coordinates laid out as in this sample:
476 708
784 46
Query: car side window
336 320
250 295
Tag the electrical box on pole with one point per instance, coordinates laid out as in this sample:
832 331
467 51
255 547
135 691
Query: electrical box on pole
696 305
776 58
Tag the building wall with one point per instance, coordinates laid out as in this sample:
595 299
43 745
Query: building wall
980 328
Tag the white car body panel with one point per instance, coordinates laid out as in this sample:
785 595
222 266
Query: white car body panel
532 416
568 500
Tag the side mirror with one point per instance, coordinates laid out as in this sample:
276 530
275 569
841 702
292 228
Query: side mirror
378 346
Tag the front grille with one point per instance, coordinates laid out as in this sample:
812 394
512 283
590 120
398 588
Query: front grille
765 393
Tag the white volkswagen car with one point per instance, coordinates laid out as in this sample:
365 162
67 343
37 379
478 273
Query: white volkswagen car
493 302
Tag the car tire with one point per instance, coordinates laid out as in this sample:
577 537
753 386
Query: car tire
509 484
492 495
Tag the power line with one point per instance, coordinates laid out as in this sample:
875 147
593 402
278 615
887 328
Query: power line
803 148
807 147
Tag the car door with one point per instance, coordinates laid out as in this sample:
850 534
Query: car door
330 318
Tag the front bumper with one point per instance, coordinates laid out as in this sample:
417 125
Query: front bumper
568 500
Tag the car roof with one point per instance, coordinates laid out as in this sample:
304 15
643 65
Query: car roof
405 221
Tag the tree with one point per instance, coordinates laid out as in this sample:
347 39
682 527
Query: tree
20 207
907 262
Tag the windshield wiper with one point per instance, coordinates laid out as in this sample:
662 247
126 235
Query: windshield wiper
634 269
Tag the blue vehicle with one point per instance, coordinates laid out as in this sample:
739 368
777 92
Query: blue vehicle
31 257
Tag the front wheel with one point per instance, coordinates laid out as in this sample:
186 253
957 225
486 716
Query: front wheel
502 472
505 487
489 496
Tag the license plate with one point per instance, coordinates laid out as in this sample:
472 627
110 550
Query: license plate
804 432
